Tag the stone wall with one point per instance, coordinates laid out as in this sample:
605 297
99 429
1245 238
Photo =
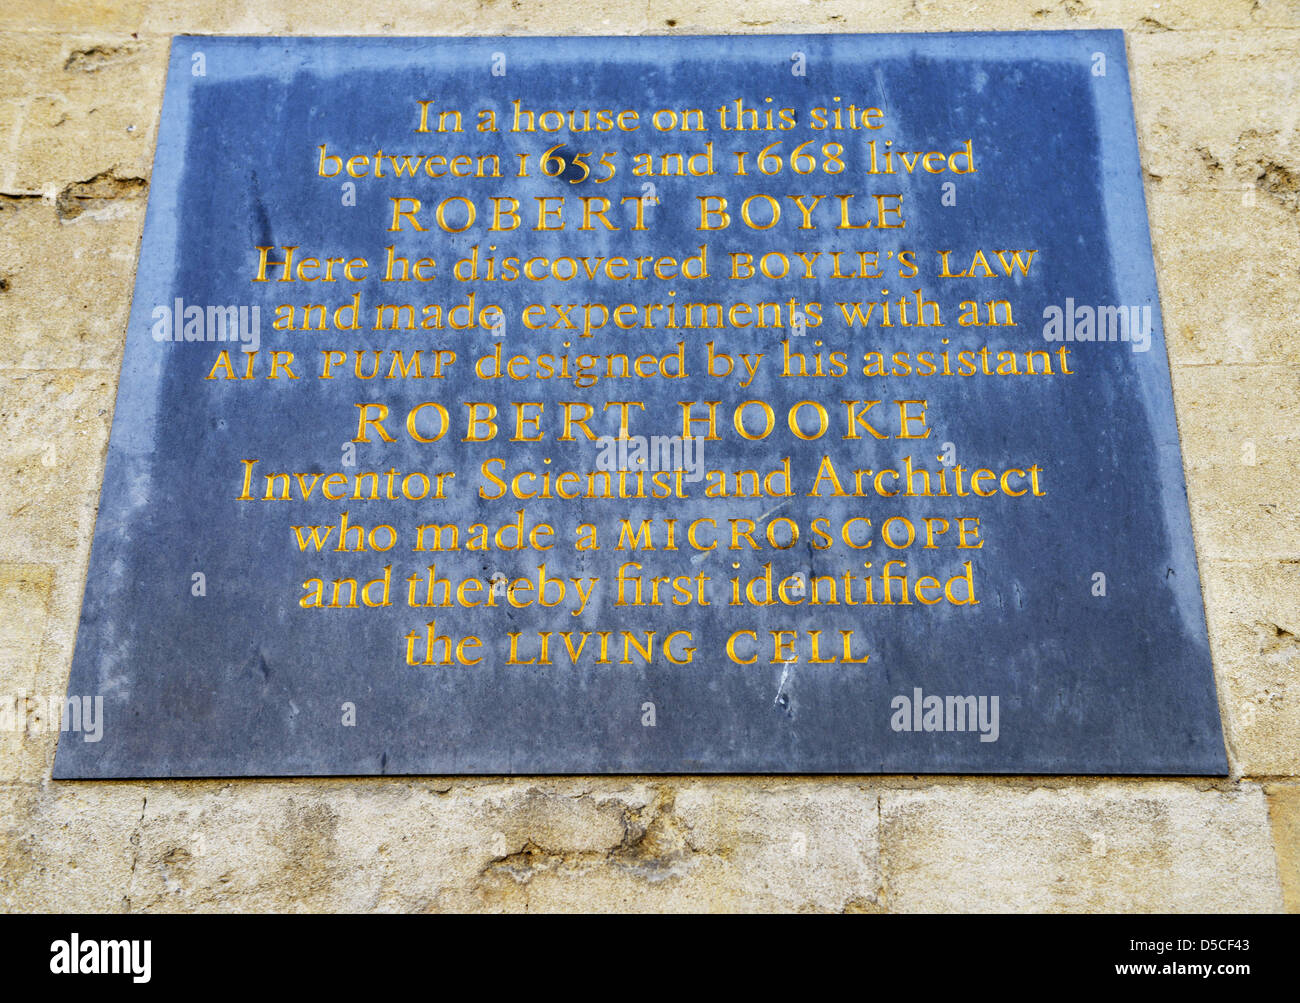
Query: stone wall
1218 102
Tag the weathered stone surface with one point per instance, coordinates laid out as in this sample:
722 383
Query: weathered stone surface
67 285
53 428
770 16
1231 303
72 849
337 17
25 591
65 15
1284 813
1253 611
1238 425
24 605
1250 139
389 17
1098 847
88 107
707 845
629 845
511 846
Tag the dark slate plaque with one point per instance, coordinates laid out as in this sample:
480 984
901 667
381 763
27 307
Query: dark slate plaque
990 570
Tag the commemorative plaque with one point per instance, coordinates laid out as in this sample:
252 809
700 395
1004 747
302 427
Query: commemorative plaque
655 405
